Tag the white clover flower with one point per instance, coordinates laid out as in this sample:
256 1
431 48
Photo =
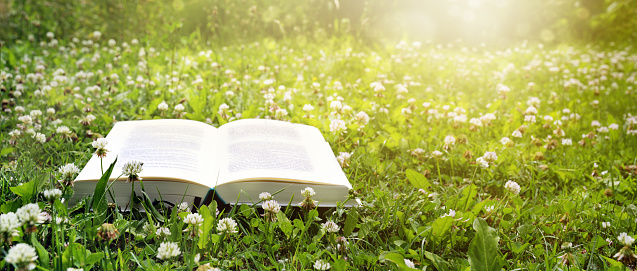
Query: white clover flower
533 101
362 118
626 239
377 86
567 142
22 256
15 133
163 106
40 137
308 192
475 122
567 246
308 107
35 113
68 171
271 206
482 163
336 105
530 111
180 107
61 220
30 214
505 141
516 133
487 118
605 225
223 109
227 225
613 126
193 219
343 158
337 126
500 88
330 226
26 119
513 187
409 263
182 207
265 196
529 118
280 113
451 213
100 144
417 152
321 265
9 223
490 156
450 140
132 168
63 130
595 123
168 250
436 154
52 194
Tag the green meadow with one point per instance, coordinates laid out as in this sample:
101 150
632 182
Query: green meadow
474 153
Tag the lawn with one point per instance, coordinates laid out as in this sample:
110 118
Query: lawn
461 155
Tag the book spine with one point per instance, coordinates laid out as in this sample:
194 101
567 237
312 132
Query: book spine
210 196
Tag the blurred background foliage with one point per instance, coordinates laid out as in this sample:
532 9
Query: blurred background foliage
370 21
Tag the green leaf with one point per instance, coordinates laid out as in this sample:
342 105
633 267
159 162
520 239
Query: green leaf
215 238
416 179
284 224
525 229
43 254
310 218
632 210
148 206
213 209
25 191
5 151
206 227
612 262
10 206
483 249
395 258
441 226
350 222
600 243
468 195
438 262
517 248
99 194
94 258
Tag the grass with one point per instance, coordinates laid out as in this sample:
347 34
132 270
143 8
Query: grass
441 211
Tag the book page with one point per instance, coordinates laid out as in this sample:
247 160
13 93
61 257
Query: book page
260 149
179 149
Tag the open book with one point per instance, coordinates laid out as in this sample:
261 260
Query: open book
190 160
